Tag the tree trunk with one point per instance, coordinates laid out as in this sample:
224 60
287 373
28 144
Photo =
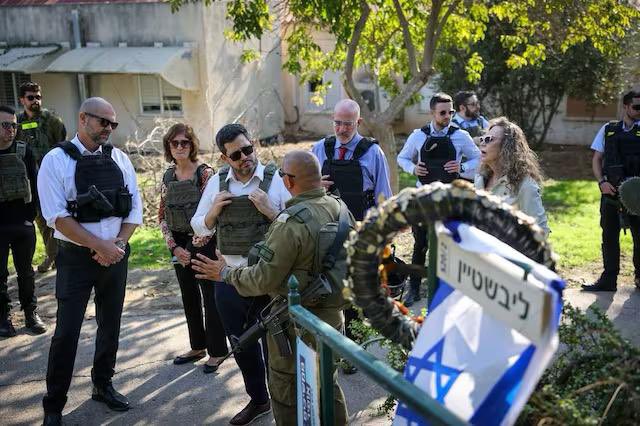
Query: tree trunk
383 133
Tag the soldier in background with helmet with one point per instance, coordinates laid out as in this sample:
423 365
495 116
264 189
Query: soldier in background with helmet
295 230
238 204
18 201
41 129
616 157
434 153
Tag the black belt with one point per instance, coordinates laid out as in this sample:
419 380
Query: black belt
73 246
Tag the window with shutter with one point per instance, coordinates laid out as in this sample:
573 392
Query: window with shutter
159 97
9 84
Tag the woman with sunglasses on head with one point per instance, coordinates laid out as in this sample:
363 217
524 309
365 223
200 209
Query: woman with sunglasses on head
510 169
182 186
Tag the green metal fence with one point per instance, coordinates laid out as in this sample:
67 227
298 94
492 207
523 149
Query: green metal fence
330 342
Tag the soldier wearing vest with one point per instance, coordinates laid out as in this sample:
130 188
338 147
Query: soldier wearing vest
616 157
41 129
467 115
182 185
290 248
18 200
434 154
89 195
354 167
238 205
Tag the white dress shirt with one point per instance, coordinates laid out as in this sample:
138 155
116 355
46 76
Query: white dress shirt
462 142
57 186
277 193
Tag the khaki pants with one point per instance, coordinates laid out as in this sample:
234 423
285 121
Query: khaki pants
282 377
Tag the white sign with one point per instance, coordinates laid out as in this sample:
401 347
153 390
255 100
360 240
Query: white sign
307 385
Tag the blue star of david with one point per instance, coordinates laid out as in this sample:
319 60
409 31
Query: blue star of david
445 376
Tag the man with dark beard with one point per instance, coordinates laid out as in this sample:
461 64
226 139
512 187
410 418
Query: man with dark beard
41 129
467 115
89 195
238 204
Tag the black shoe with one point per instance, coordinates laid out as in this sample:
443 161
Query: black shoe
111 397
33 322
179 360
208 368
251 412
6 328
411 298
52 419
599 285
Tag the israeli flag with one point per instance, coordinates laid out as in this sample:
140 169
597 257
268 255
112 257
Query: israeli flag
491 329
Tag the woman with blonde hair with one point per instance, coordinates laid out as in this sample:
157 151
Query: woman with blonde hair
510 169
182 186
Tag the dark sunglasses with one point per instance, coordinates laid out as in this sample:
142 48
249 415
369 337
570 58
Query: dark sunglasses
103 121
450 112
236 155
486 139
8 125
282 173
182 143
32 97
636 107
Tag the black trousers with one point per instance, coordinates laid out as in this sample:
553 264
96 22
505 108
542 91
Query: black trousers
610 224
77 274
420 247
21 239
238 313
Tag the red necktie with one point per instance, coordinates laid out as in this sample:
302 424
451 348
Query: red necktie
341 152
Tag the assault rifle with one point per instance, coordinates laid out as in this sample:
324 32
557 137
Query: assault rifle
273 319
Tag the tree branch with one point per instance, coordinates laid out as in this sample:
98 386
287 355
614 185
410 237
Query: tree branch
408 42
349 84
431 38
445 18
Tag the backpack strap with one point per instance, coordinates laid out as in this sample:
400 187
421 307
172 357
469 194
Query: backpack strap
331 255
329 144
269 171
71 150
453 127
362 147
222 175
21 149
169 175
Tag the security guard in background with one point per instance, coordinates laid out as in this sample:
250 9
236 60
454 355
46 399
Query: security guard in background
616 157
89 195
41 129
467 115
288 234
18 200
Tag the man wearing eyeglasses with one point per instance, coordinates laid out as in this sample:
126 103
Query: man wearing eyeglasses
41 129
467 115
616 157
90 197
238 205
434 154
18 200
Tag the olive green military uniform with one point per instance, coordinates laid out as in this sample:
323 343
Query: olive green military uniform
41 133
289 249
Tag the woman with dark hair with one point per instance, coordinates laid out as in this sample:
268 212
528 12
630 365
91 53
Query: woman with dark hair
510 169
182 186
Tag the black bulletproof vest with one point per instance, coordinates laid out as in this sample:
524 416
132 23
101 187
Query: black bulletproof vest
99 185
435 152
347 176
621 152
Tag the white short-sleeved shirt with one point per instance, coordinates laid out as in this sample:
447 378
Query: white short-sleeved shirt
57 186
598 141
277 193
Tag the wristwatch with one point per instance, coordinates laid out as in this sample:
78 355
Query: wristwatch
461 168
121 244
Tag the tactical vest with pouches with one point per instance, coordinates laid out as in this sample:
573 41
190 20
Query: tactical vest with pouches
621 152
181 199
240 224
14 179
435 152
101 191
34 132
347 176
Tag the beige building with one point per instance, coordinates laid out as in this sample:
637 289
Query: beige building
148 62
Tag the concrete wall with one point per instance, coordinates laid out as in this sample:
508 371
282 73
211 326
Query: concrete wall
60 94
